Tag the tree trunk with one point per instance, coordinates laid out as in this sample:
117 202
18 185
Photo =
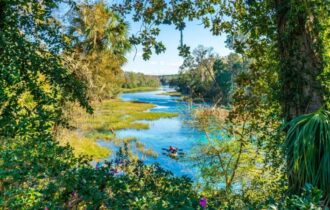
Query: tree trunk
300 59
300 63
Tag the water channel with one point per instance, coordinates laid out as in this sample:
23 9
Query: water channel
166 131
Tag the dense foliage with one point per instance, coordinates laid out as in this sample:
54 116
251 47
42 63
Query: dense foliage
137 80
272 32
33 82
286 44
54 179
99 38
35 172
43 67
308 146
206 76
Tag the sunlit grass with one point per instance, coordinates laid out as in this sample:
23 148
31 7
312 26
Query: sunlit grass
82 145
138 89
152 115
108 116
127 140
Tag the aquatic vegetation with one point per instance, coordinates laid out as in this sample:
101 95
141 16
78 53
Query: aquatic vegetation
138 89
83 145
109 116
151 115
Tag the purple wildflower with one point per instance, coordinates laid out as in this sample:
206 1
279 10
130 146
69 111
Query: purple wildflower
203 202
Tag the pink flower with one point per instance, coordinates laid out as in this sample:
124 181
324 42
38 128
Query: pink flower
202 202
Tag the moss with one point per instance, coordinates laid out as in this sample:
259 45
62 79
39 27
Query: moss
109 116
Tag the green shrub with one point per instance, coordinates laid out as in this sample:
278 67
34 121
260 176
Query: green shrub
38 173
310 198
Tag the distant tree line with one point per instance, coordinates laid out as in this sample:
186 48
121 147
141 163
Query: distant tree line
167 79
136 80
206 76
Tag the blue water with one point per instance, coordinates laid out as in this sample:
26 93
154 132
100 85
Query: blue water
166 131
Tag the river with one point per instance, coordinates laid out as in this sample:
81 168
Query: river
165 132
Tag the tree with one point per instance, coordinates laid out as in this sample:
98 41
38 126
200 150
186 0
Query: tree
206 76
224 79
100 41
35 171
33 81
134 80
284 41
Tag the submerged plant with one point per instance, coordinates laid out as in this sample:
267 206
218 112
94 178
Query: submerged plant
308 151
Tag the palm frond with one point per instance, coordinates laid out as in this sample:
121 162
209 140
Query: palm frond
308 151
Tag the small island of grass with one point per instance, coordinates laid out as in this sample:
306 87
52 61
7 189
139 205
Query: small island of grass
138 89
108 117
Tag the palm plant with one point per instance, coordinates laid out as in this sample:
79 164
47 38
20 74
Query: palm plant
99 28
308 151
101 42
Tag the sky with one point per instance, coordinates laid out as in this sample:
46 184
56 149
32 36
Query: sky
168 63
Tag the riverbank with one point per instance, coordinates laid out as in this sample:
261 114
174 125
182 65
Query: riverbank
172 93
185 97
139 89
165 132
109 116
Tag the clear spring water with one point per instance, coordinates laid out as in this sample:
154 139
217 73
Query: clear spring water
164 132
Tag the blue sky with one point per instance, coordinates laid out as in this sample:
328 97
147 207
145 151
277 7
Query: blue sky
166 63
169 62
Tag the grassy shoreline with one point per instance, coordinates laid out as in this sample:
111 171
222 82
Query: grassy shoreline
139 89
172 93
108 117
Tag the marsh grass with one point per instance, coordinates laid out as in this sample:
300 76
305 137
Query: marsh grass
82 145
108 116
138 89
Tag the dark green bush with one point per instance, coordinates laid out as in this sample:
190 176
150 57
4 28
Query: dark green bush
54 178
